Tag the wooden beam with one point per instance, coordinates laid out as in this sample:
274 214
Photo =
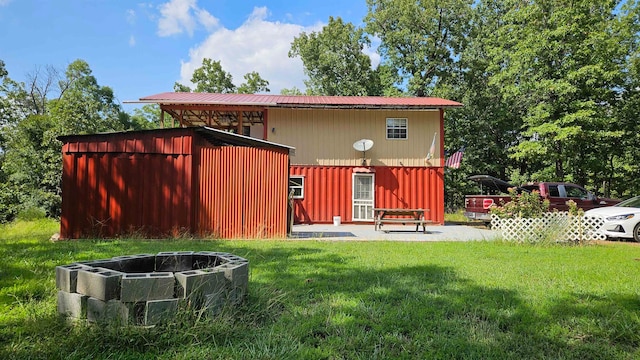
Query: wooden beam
265 124
203 107
240 123
161 119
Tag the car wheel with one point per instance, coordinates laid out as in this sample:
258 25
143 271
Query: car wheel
636 232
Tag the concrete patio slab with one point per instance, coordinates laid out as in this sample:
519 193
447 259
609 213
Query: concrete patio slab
366 232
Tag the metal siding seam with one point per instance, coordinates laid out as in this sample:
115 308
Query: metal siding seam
67 177
103 189
116 192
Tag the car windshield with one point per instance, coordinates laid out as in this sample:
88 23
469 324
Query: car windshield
633 202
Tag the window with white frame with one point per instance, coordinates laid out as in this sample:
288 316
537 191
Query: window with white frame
296 184
396 128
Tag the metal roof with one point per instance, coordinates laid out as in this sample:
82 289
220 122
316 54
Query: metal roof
213 136
299 101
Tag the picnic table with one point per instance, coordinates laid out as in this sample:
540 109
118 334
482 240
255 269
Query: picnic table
400 216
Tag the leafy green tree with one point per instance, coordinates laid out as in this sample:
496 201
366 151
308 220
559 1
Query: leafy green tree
292 91
420 39
334 60
177 87
212 78
624 155
254 84
561 64
149 117
84 106
31 162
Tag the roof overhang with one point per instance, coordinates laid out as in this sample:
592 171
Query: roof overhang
255 101
225 138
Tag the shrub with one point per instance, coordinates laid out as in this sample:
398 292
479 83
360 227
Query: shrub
522 205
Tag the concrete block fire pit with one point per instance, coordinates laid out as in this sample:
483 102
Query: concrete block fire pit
146 289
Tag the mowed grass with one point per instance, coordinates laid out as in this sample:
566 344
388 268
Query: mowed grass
346 300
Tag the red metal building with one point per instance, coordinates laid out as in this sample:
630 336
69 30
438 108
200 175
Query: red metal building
172 182
404 169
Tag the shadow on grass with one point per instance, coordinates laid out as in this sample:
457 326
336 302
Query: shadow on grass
306 302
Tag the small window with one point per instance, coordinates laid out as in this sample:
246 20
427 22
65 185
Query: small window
396 128
553 191
296 184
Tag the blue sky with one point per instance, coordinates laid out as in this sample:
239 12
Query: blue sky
142 48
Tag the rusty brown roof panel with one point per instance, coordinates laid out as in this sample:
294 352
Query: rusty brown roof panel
298 100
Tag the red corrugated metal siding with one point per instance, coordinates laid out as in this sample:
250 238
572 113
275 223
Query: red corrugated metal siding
242 192
328 191
118 184
107 195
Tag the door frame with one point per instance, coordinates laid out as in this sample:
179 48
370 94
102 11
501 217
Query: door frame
373 195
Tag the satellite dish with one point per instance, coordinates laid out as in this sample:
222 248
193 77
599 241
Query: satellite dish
363 145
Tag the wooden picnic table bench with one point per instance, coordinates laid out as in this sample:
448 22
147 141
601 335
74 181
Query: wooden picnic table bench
401 216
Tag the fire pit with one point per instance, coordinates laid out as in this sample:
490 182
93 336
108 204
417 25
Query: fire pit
146 289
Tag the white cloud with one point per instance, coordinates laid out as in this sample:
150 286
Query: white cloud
257 45
132 41
177 16
372 51
131 16
207 20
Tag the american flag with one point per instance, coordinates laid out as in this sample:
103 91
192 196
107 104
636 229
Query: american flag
455 159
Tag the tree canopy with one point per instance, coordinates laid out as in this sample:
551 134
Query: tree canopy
334 60
212 78
34 115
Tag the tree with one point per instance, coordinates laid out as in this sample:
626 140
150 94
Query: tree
32 157
334 60
420 39
488 125
292 91
177 87
210 77
254 84
561 64
149 117
85 107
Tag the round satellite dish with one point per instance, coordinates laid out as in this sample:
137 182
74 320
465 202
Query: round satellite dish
363 144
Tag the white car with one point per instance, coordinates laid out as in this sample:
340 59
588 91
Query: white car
621 220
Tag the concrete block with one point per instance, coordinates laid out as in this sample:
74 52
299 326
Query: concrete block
67 276
205 259
100 283
237 276
101 263
236 259
72 304
112 311
140 263
195 284
160 311
148 286
174 261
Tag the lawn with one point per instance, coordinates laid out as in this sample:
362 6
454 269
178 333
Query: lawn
352 300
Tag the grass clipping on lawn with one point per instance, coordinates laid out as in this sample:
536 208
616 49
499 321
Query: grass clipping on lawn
330 300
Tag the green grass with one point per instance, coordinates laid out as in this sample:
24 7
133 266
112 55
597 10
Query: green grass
352 300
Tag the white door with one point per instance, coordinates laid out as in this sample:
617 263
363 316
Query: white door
363 197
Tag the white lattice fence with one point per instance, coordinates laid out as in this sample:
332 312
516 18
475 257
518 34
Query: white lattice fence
553 226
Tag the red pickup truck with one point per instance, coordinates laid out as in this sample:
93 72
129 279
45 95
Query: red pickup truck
558 193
